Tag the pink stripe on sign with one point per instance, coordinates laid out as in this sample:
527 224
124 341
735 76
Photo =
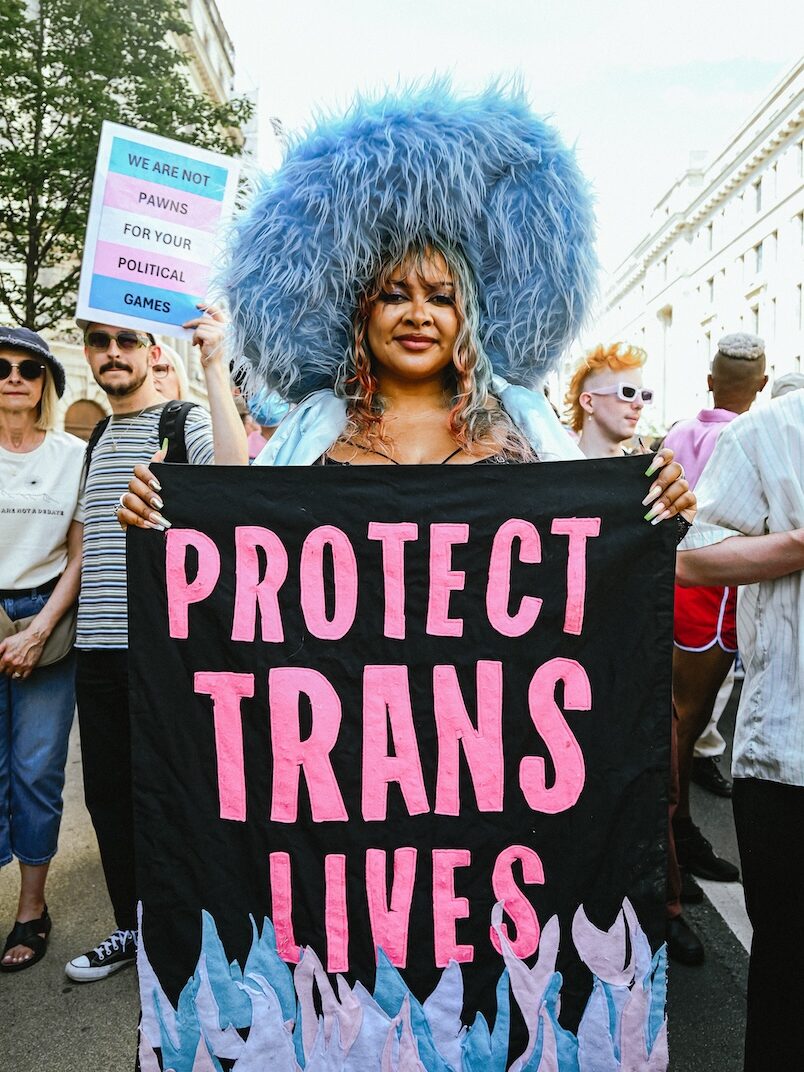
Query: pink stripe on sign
161 202
141 266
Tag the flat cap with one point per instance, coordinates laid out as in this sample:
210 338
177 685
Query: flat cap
783 385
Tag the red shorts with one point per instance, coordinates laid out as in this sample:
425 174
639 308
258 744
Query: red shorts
705 616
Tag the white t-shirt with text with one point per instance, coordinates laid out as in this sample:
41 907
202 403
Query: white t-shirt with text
38 501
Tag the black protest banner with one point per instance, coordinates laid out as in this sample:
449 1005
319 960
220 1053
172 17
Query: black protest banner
407 727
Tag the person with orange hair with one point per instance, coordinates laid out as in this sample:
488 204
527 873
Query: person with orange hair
605 398
604 402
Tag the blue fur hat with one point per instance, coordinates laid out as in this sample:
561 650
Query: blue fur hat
482 174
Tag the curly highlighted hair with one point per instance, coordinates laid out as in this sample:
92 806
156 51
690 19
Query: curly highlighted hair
475 416
616 357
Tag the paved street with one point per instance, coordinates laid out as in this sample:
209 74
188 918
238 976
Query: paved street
52 1025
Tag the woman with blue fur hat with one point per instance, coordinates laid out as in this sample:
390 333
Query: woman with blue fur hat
407 279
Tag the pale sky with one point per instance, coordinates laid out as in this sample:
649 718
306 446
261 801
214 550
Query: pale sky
634 85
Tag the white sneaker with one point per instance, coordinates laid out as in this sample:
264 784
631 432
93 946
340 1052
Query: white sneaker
116 952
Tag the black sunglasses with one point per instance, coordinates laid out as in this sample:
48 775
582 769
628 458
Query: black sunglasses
126 340
28 369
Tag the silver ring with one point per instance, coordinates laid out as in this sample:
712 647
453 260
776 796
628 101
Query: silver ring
15 675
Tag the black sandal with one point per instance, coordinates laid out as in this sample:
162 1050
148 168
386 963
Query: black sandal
28 934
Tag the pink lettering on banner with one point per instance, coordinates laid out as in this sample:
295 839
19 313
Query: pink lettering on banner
253 590
335 917
516 905
292 755
282 907
313 597
447 908
483 747
386 698
443 579
144 198
390 925
154 269
578 529
227 689
565 752
498 592
181 591
393 538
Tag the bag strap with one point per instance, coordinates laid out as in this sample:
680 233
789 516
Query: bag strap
172 420
95 435
6 624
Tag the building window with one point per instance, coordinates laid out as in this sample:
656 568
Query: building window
758 195
710 235
757 252
799 223
755 319
799 307
710 290
772 324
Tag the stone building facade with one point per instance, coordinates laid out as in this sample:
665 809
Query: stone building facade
724 252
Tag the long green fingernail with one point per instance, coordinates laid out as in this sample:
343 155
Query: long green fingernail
165 445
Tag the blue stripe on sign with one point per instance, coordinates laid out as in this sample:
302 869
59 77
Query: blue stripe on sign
134 299
168 169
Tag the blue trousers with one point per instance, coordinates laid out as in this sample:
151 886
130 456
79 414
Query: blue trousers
35 719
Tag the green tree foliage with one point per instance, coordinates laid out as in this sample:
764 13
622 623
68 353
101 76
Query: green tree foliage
66 66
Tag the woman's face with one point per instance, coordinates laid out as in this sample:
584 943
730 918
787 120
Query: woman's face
166 380
17 394
413 324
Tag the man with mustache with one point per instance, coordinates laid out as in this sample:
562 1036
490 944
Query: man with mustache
120 360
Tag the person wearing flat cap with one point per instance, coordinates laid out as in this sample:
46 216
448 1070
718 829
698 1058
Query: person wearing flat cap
40 532
750 532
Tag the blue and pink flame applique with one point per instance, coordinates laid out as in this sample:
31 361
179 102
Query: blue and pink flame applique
264 1017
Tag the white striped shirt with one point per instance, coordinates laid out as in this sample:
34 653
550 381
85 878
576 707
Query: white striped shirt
127 440
754 484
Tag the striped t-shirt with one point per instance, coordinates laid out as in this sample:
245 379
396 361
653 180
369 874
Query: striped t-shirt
127 440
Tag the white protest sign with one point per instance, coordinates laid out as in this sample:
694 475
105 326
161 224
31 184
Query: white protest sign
153 233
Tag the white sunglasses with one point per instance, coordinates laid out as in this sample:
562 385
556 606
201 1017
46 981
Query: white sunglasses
626 392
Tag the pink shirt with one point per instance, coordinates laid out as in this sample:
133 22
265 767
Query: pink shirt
693 441
255 443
